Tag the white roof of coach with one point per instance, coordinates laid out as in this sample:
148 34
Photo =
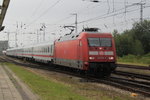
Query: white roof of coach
33 45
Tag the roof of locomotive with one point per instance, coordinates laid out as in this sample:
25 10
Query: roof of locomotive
76 36
90 34
85 31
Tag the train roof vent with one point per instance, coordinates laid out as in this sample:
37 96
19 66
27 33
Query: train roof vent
90 29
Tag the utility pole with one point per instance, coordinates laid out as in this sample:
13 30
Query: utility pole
3 9
141 10
76 22
16 36
16 39
43 29
53 35
37 36
7 37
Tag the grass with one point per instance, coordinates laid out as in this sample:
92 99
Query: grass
49 89
135 60
46 89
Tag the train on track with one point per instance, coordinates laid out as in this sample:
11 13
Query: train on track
90 51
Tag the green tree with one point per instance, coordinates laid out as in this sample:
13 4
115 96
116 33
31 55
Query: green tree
123 43
134 41
137 48
141 32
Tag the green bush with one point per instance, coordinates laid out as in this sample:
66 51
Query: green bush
145 59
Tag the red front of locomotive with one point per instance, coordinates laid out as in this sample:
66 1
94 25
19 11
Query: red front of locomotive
99 53
90 52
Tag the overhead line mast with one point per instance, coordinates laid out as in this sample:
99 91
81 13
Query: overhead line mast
3 9
141 10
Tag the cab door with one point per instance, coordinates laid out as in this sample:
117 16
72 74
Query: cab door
80 54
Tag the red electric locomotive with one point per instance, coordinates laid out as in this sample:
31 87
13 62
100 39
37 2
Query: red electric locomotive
89 51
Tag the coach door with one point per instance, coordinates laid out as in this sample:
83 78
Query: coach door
80 57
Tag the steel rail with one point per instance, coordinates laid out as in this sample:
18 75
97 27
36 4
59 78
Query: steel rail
134 66
132 75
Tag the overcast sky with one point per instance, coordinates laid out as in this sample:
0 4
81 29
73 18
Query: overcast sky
26 17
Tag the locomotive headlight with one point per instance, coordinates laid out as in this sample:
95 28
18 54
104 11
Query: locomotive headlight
91 58
111 58
100 48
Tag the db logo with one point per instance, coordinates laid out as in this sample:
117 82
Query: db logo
101 53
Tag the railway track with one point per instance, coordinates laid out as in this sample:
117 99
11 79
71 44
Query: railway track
134 66
132 75
2 59
129 85
142 87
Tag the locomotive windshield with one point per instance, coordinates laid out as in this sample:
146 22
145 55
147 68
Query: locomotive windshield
100 42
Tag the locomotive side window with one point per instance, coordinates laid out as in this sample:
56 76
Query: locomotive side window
93 41
80 43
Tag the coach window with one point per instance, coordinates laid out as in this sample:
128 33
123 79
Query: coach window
48 49
45 49
51 48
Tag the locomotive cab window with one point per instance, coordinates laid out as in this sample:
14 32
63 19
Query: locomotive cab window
105 42
94 42
102 42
